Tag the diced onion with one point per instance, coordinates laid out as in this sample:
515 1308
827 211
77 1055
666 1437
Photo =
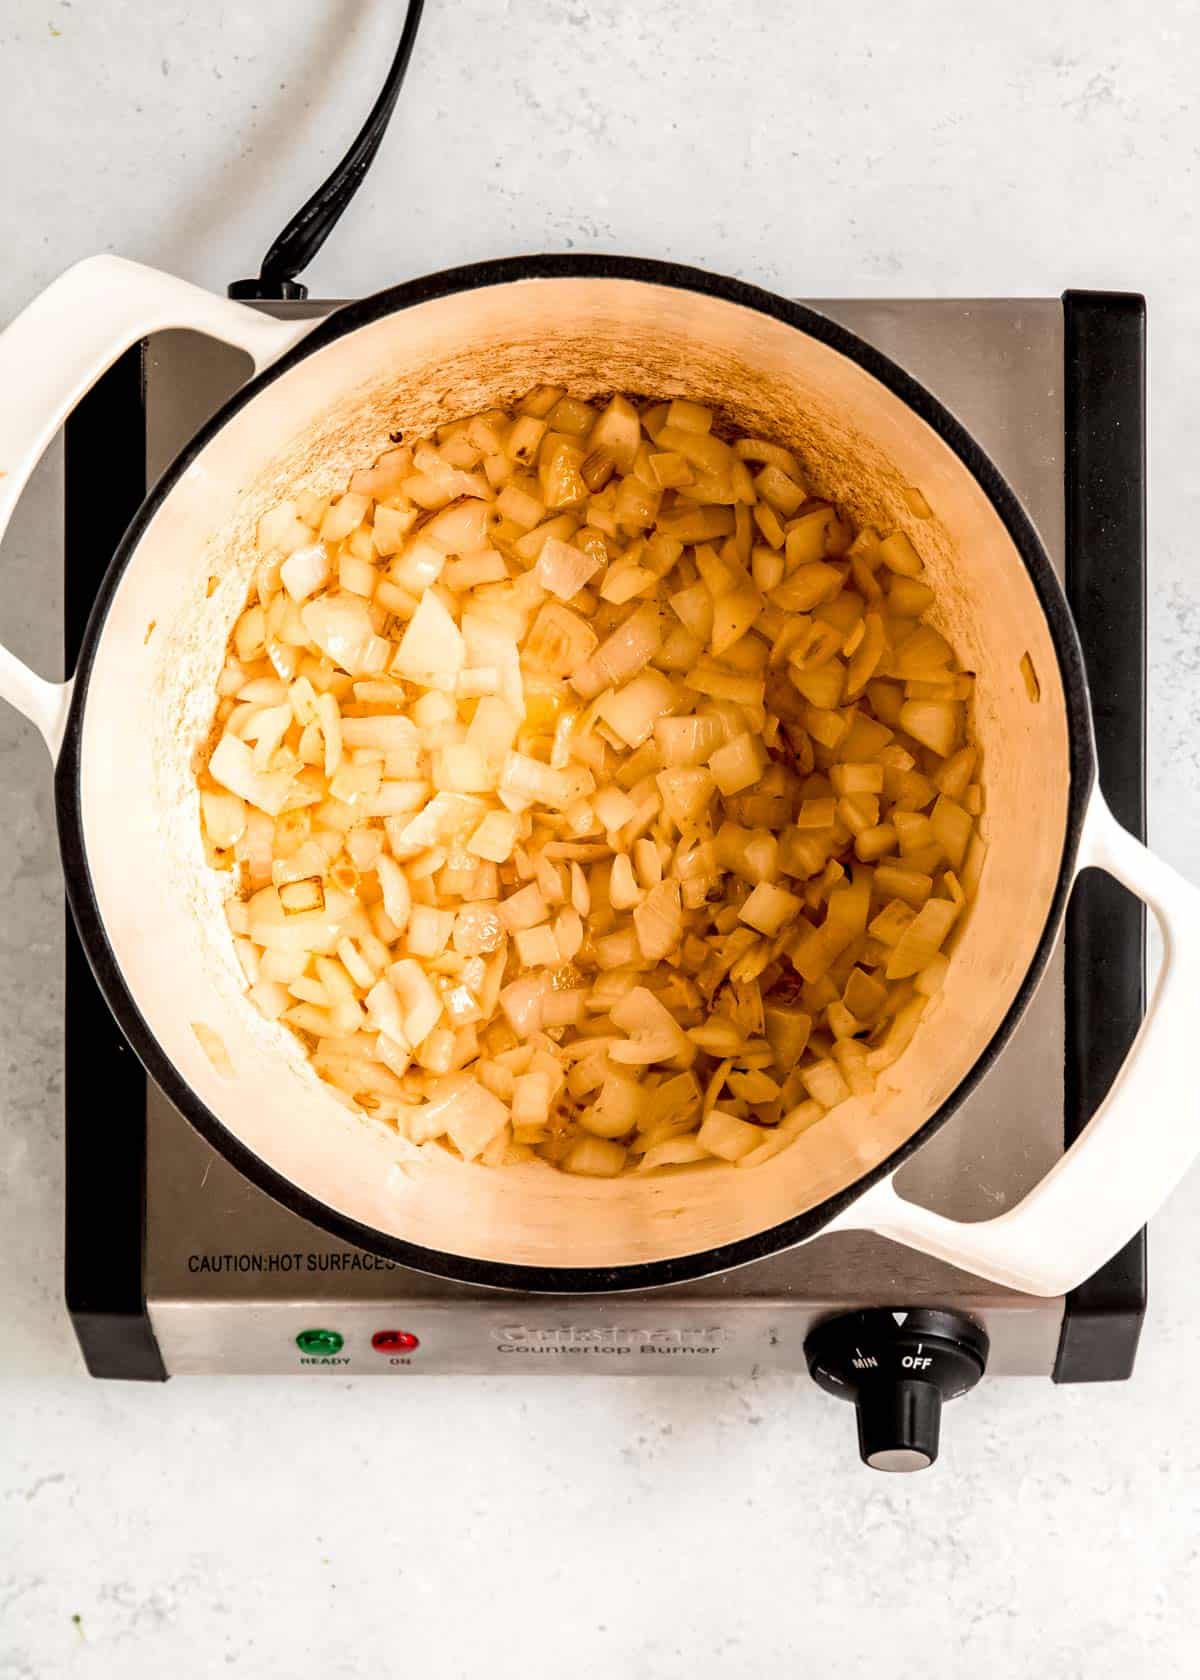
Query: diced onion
232 765
432 649
590 789
563 569
340 626
305 571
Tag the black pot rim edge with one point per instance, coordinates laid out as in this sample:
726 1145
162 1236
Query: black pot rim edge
563 1280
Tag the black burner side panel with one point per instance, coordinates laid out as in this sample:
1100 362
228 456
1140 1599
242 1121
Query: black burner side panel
1105 349
105 1084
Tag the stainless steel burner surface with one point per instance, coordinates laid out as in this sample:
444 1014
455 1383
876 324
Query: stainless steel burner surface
232 1278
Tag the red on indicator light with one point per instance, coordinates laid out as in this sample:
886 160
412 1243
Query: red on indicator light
394 1341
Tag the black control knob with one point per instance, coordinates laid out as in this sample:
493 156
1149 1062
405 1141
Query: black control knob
898 1367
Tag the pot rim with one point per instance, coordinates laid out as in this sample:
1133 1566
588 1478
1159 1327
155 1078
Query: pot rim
568 1280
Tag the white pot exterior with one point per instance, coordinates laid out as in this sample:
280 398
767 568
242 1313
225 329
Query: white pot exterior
435 351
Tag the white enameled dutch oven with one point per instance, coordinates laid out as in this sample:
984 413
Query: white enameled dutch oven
323 401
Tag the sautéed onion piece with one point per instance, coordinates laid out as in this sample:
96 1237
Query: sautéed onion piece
591 790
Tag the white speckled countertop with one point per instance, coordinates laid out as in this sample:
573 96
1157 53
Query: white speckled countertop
653 1529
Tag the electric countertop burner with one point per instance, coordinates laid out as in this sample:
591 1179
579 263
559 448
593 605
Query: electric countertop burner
176 1265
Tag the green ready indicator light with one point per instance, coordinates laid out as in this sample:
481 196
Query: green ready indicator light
317 1342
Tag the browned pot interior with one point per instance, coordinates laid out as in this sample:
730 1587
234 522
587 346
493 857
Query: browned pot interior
149 702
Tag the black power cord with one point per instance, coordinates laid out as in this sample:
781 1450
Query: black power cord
311 226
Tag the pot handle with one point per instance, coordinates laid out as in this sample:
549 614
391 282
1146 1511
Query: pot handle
55 351
1133 1151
